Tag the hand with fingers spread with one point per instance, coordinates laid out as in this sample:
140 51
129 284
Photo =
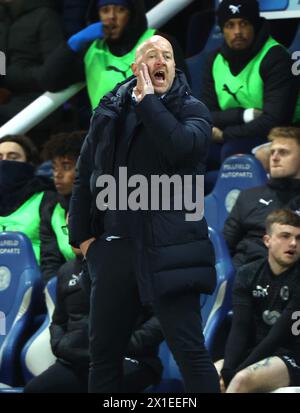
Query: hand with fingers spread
144 84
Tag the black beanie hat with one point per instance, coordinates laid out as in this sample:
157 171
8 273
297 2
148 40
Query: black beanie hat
238 9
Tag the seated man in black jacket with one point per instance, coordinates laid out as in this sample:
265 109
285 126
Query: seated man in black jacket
248 84
263 349
244 227
70 344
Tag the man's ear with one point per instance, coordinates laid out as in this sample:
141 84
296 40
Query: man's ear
266 240
134 69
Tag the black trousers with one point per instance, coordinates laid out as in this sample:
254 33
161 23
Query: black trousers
115 305
63 378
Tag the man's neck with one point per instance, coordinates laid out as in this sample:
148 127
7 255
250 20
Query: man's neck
276 267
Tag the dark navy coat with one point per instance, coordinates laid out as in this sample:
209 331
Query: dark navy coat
165 136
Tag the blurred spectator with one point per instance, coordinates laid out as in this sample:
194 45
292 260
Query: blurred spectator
23 196
70 344
63 150
103 52
248 83
29 31
263 351
244 228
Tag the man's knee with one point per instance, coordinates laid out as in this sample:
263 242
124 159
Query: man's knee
242 381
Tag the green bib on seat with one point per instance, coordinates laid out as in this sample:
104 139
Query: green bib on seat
244 90
26 219
58 220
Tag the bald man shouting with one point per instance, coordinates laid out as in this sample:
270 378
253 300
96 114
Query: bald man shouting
142 246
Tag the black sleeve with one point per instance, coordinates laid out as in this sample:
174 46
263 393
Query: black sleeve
81 200
178 140
59 320
51 257
220 118
242 326
278 97
62 68
145 339
22 77
233 226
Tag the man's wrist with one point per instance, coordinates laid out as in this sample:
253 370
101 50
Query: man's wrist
248 115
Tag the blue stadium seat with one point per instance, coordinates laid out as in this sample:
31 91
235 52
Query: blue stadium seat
37 355
196 63
20 295
214 40
273 5
237 172
295 46
215 307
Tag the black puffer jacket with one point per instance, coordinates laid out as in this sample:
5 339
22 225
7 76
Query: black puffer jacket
69 328
163 136
245 226
280 89
30 31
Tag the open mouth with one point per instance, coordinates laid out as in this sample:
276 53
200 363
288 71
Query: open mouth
290 253
110 28
160 76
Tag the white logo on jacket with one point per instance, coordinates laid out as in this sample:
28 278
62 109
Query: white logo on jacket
260 291
262 201
74 281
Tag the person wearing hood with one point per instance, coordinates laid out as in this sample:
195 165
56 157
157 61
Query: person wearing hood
30 31
63 150
103 52
23 196
248 83
244 227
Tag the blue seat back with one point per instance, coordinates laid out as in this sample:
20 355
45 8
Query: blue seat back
196 63
272 5
295 46
37 354
20 292
237 172
215 307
